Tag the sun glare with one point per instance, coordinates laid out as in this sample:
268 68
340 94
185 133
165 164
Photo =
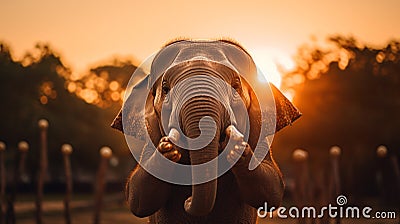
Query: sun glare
271 63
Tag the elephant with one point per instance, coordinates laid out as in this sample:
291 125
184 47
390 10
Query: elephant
234 125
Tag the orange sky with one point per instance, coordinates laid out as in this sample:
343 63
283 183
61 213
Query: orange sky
86 32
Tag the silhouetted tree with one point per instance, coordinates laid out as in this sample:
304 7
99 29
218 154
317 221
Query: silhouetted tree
349 96
37 87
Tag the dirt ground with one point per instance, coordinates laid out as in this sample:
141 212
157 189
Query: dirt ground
122 215
115 211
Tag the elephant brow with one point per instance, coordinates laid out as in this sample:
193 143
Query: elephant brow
182 71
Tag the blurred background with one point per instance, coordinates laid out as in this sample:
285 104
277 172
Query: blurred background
69 62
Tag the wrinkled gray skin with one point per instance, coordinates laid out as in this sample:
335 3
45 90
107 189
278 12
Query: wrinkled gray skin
239 192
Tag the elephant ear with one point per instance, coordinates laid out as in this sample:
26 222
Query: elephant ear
286 112
138 116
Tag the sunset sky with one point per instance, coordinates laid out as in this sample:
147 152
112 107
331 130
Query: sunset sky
86 33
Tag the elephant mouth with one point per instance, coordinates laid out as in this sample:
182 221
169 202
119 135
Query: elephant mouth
231 132
202 200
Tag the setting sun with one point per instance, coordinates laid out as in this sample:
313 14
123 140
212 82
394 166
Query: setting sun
272 63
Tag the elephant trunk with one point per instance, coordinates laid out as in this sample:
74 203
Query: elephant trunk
203 195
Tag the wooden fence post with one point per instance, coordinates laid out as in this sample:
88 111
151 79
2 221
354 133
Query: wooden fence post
43 125
388 175
66 149
20 156
335 152
105 154
302 181
381 153
23 148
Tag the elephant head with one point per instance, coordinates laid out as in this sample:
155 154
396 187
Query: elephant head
200 90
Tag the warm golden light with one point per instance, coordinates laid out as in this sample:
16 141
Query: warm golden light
344 58
74 77
101 84
380 57
115 96
279 24
122 94
46 91
89 83
272 63
71 87
89 95
46 88
289 94
53 94
44 100
114 85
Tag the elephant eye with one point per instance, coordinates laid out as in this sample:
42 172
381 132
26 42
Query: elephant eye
165 88
237 85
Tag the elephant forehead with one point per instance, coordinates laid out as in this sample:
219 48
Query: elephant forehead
187 69
224 53
220 52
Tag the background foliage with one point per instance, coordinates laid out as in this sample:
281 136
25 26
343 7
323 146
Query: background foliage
349 94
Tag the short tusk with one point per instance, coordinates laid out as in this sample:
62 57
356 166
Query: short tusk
233 133
174 135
